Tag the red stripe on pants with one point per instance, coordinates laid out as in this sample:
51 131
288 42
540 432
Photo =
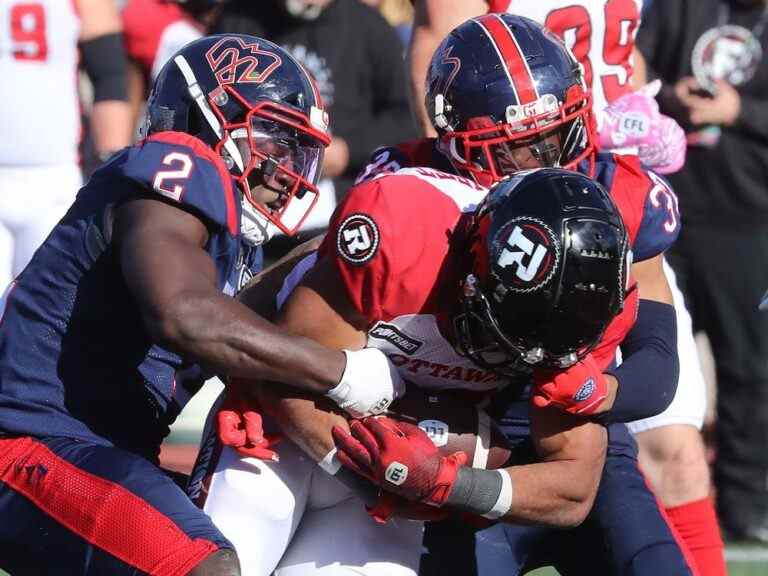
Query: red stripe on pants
101 512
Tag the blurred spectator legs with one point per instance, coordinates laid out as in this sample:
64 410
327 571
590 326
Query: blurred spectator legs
739 340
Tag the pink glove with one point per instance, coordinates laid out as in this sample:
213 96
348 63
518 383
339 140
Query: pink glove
665 155
579 389
635 120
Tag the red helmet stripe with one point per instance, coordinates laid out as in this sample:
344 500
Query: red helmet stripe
514 61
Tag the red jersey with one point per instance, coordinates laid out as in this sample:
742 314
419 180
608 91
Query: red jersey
646 203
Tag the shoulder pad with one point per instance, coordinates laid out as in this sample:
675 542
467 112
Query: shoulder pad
388 239
181 168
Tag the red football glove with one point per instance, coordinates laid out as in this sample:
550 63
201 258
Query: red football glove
579 390
399 457
390 504
240 427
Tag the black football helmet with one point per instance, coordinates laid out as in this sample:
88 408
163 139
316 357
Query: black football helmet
257 107
550 271
504 94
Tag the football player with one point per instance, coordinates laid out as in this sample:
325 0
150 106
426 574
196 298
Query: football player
44 45
601 35
505 95
460 299
125 308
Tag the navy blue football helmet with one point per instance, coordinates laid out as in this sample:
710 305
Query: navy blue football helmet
505 94
549 272
256 106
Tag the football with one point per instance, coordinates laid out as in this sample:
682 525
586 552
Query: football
454 423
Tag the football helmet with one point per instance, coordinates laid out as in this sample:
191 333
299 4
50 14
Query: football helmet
505 94
550 269
257 107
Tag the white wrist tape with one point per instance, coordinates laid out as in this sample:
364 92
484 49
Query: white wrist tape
330 463
504 501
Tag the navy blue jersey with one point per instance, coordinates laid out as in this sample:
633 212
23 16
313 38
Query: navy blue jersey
75 357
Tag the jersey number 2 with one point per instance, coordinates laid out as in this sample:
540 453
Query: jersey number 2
28 27
621 19
183 163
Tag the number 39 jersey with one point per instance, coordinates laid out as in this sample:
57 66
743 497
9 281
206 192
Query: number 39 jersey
40 111
599 33
75 357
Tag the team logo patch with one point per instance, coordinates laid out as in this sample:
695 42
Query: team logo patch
390 333
396 473
585 391
358 239
233 59
729 53
526 254
437 430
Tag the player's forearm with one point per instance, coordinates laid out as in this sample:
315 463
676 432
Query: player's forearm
111 125
230 339
307 422
424 40
647 377
558 494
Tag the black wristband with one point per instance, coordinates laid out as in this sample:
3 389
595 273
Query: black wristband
475 490
105 63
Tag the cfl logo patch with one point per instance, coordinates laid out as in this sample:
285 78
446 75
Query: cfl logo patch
634 124
396 473
585 391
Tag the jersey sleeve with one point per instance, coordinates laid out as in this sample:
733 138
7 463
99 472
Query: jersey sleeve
660 225
648 206
388 240
182 169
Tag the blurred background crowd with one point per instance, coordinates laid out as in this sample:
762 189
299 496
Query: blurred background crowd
709 55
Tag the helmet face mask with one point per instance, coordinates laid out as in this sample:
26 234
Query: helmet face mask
257 108
278 164
483 106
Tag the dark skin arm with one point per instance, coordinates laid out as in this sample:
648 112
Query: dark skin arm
558 490
173 280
